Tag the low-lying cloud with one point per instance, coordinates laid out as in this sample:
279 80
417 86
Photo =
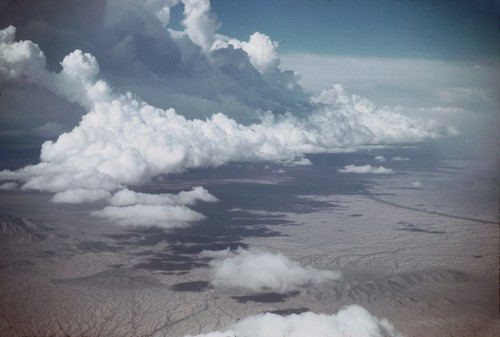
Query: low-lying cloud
130 208
365 169
416 184
167 216
259 270
348 322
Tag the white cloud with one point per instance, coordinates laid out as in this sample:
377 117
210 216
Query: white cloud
259 270
163 216
200 23
365 169
262 52
20 60
399 158
130 208
416 184
350 321
126 197
380 159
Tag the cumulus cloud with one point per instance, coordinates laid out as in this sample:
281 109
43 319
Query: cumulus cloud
416 184
127 197
163 216
260 270
122 140
20 61
261 50
200 23
365 169
380 159
350 321
399 158
130 208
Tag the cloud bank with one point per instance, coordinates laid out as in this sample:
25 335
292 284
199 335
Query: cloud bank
365 169
122 140
350 321
258 270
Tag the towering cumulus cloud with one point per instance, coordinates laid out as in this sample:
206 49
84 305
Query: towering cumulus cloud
348 322
201 24
124 141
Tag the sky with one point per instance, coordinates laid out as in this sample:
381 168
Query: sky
108 95
388 28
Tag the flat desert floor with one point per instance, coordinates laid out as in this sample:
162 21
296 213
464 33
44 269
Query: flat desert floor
418 247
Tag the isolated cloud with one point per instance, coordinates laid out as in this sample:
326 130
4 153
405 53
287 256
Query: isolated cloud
259 270
380 159
130 208
163 216
416 184
350 321
365 169
127 197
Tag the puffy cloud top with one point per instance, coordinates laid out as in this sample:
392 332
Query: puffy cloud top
20 60
350 321
261 51
201 24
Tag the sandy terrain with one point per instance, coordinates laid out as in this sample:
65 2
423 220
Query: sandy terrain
425 258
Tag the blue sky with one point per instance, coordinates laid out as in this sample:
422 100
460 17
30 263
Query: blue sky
431 29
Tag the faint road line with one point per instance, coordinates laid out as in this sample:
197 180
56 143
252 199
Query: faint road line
371 196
